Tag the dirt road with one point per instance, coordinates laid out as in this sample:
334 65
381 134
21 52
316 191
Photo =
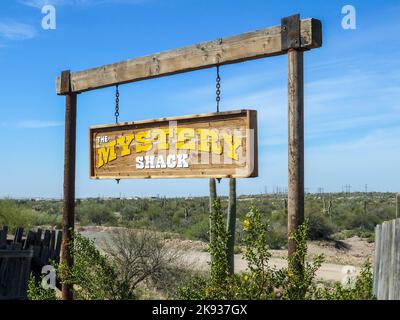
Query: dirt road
328 271
338 262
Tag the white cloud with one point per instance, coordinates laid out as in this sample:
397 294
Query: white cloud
38 124
13 30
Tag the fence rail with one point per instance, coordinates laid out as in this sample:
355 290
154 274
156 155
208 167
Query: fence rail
387 261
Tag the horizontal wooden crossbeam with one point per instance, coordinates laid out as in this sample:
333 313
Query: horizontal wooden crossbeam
247 46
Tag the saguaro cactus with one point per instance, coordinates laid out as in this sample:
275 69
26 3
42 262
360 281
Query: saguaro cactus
213 197
231 225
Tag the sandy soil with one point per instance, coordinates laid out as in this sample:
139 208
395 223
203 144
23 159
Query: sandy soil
338 256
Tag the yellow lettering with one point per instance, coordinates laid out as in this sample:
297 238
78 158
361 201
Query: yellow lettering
185 139
125 142
143 144
207 137
161 135
106 154
233 142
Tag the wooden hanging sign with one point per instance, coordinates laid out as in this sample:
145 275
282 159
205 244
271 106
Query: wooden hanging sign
218 145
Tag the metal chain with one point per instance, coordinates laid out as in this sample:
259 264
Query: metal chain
116 104
116 111
218 97
218 87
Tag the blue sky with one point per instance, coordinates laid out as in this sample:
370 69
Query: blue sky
352 104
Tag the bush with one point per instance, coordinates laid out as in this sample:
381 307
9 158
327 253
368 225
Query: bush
37 292
297 280
361 290
199 231
261 281
94 213
276 239
319 227
363 221
143 256
93 275
13 216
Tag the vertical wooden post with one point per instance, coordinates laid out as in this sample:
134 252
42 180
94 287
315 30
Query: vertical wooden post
231 225
295 144
69 187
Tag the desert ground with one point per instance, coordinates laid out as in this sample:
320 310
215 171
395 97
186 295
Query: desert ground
339 257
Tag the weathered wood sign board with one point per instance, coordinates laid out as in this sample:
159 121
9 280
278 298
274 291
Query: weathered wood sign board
218 145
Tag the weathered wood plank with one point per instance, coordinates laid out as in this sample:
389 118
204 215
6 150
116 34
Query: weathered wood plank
295 145
387 252
38 237
381 278
377 258
52 242
56 254
207 155
391 254
247 46
18 235
395 295
14 272
30 240
3 236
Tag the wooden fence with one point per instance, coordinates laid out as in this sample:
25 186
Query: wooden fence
20 256
387 261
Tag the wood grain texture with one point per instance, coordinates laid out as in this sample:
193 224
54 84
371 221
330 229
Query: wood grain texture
202 164
295 145
386 282
247 46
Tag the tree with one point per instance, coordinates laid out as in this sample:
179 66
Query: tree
141 256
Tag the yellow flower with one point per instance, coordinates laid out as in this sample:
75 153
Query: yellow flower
246 225
246 277
291 274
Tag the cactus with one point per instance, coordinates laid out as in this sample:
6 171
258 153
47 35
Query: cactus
213 197
231 225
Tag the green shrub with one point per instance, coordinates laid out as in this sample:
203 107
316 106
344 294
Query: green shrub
261 281
363 221
93 275
360 290
199 231
193 289
319 227
276 238
218 249
14 216
95 213
37 292
297 281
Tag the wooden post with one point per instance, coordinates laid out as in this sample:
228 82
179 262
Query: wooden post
295 144
231 225
69 187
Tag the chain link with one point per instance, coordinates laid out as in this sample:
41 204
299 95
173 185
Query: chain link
116 104
116 111
218 89
218 97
